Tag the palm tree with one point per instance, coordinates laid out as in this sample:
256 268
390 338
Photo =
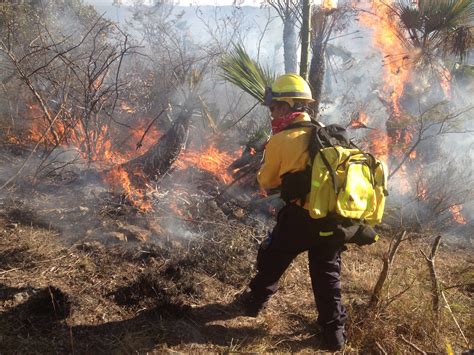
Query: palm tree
435 28
324 23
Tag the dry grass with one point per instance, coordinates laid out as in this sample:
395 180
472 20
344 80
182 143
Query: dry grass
137 297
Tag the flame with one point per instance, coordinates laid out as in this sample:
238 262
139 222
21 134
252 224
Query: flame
125 107
397 68
100 146
422 185
422 193
445 81
95 144
174 207
412 155
360 121
12 139
120 180
457 215
379 142
329 4
97 83
210 159
404 184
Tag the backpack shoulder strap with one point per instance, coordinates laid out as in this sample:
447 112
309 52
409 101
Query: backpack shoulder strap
302 124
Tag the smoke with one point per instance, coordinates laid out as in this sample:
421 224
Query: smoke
72 198
436 117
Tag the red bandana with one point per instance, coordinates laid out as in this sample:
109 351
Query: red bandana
280 123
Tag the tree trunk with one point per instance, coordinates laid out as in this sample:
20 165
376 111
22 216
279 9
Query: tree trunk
316 76
290 44
305 38
161 156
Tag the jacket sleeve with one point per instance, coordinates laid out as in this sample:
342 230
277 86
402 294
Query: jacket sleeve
269 174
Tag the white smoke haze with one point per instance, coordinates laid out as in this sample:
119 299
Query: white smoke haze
74 199
356 84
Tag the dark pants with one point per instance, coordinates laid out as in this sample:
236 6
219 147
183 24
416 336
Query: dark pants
296 232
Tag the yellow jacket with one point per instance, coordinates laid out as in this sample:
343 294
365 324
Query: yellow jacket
286 151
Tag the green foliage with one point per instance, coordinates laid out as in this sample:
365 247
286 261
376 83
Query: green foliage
244 72
437 27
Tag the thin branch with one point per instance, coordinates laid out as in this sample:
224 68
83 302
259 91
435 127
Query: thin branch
140 142
29 156
412 345
434 278
243 116
387 263
382 350
454 318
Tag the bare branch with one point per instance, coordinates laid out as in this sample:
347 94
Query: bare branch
434 278
413 346
387 263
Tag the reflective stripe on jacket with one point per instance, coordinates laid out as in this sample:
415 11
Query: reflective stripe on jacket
286 151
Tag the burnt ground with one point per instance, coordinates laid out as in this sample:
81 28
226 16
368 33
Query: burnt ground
82 271
139 297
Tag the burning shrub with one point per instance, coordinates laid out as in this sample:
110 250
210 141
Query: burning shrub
435 199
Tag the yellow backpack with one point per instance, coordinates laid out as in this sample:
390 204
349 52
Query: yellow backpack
342 179
348 182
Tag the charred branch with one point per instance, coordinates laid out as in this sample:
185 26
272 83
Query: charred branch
161 156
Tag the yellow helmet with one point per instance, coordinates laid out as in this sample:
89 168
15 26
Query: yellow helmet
288 88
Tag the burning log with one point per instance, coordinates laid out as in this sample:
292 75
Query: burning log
161 156
248 163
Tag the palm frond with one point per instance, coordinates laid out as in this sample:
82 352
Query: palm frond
436 25
460 41
244 72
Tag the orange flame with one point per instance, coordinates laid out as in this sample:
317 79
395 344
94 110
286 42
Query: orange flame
397 69
94 144
404 184
360 121
97 145
125 107
457 215
445 81
120 180
12 139
422 185
210 159
422 193
379 143
329 4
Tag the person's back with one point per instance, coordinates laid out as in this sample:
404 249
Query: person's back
295 231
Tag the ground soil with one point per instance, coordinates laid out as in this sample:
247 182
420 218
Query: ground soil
133 296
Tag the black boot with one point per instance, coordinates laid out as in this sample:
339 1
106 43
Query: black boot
334 340
249 305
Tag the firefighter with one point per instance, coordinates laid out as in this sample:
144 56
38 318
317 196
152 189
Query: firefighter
295 231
